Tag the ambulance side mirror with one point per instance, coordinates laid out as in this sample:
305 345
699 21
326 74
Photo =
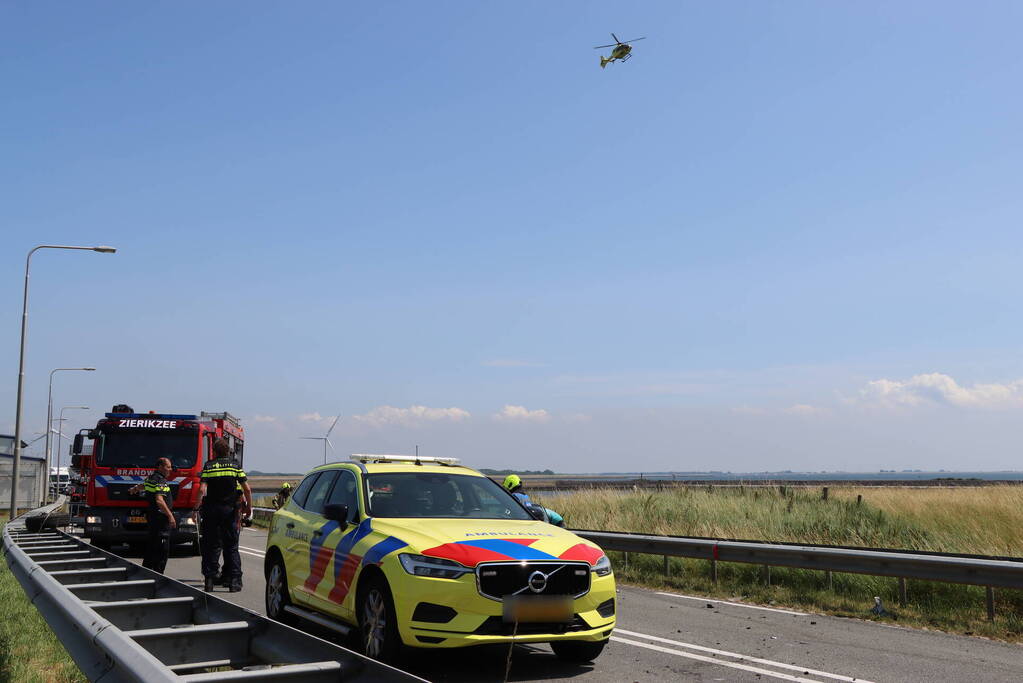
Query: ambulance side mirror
337 512
76 447
537 512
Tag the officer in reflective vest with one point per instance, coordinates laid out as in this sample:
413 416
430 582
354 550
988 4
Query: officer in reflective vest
159 518
218 487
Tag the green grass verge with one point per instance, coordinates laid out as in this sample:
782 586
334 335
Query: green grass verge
985 520
29 650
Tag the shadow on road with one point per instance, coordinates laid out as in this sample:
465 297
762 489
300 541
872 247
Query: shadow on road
488 662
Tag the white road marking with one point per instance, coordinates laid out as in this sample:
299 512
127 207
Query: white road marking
735 604
247 552
711 660
255 550
757 660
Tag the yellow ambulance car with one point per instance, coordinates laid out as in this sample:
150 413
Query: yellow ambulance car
424 552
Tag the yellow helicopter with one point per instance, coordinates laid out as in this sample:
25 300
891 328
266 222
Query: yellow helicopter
622 50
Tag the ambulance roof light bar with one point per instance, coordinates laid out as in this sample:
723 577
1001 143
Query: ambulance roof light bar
419 460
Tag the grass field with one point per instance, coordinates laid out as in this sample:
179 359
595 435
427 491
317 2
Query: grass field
986 520
29 651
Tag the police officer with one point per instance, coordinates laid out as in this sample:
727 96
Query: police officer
159 518
218 497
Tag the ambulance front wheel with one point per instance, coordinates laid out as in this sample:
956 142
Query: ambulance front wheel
577 651
378 627
277 591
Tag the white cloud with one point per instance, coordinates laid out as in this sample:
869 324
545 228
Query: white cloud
522 414
512 363
264 418
311 417
936 388
411 416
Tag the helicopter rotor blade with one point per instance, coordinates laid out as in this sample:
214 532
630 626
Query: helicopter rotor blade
616 39
635 39
603 46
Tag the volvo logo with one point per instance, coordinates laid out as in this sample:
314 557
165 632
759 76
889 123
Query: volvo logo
537 582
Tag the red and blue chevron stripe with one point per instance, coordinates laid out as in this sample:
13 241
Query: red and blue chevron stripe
346 563
471 553
319 556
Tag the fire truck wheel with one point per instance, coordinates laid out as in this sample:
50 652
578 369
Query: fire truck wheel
102 545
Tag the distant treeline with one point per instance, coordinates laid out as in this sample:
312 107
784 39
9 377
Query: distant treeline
257 473
484 470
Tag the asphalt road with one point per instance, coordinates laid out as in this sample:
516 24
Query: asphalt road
665 636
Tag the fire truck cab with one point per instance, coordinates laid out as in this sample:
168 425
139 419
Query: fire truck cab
125 447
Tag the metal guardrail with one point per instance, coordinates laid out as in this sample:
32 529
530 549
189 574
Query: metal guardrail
932 567
951 568
264 513
122 622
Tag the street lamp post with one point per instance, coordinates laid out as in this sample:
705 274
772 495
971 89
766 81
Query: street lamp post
21 367
49 418
60 433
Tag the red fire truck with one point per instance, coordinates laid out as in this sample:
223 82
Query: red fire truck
125 447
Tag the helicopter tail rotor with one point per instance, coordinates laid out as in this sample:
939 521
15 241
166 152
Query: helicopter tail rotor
603 61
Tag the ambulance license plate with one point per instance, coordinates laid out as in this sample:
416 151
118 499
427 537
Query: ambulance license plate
537 608
136 520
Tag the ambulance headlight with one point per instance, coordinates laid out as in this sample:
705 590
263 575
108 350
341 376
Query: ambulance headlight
603 566
420 565
92 520
188 521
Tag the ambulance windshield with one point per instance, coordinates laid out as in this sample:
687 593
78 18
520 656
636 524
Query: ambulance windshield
414 494
141 448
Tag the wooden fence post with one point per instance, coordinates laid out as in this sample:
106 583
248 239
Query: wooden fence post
902 590
824 495
990 600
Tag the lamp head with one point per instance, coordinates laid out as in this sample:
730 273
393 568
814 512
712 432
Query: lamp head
105 250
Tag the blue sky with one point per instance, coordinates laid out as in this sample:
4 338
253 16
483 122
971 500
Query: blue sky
785 235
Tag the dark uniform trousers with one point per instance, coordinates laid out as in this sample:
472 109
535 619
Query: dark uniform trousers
219 532
157 542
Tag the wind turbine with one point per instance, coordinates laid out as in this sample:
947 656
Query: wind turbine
325 438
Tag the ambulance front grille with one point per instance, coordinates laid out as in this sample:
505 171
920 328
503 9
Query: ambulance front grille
495 580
